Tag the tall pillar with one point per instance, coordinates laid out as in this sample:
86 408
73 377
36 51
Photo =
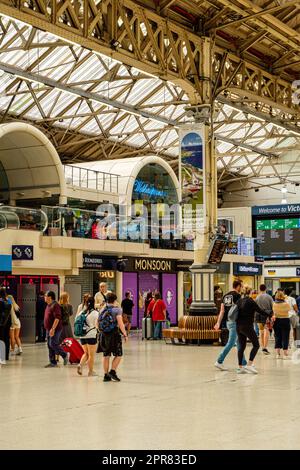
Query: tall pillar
203 293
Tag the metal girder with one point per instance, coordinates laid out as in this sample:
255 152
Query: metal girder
140 37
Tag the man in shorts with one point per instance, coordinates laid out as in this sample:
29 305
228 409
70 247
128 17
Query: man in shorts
127 306
111 343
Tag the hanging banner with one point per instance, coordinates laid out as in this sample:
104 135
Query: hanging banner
191 173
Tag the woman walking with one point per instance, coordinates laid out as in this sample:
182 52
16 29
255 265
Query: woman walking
5 324
245 329
66 313
89 340
282 324
15 342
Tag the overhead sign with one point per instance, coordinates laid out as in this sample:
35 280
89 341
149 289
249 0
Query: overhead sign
276 210
95 261
248 269
22 252
5 263
149 264
216 251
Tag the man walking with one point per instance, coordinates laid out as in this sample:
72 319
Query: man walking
229 299
265 302
53 327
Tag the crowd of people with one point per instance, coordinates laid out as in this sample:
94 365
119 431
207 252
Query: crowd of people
244 314
244 309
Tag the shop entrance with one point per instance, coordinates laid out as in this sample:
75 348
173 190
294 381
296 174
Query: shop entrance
25 290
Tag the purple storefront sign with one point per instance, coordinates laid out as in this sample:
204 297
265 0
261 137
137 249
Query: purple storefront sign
130 285
169 293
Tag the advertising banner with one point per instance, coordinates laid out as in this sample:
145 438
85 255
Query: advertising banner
148 282
192 177
169 295
130 285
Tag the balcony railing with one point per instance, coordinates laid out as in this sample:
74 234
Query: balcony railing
78 223
91 179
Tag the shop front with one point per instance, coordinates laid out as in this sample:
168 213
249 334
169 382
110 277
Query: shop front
284 277
25 290
148 275
95 269
249 273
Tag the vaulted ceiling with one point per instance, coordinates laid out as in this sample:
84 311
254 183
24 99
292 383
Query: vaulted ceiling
113 79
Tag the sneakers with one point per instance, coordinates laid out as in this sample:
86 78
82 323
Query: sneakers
251 370
2 362
286 358
278 356
92 374
18 351
79 370
220 366
66 359
107 378
241 370
113 376
50 365
265 351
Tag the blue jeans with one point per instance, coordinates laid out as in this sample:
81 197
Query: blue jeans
54 346
157 330
232 341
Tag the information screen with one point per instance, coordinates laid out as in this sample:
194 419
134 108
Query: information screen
279 238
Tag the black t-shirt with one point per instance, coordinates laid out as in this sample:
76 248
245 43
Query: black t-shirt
229 300
127 306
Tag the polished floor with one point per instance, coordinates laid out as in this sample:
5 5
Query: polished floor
170 397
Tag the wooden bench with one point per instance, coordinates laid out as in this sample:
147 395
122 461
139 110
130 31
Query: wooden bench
200 328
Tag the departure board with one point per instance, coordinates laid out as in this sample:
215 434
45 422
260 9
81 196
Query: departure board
279 238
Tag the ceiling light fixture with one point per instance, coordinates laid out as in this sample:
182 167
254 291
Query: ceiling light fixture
283 201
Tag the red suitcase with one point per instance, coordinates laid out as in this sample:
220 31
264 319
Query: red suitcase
70 345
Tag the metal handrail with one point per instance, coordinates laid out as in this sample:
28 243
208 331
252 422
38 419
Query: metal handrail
101 178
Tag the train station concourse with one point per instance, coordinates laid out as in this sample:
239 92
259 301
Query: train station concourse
149 228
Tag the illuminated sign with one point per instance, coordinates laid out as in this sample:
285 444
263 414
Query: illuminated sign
145 188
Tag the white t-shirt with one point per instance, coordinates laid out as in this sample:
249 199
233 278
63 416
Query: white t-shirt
291 301
91 321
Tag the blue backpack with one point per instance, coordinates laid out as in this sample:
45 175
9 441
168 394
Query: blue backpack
106 321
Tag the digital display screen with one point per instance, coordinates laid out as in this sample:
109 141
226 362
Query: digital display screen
279 238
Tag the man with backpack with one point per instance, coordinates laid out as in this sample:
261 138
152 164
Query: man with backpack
109 323
53 327
229 300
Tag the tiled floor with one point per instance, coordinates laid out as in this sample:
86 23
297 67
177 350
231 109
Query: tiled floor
170 397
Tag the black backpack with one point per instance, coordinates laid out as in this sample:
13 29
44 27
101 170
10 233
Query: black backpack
5 309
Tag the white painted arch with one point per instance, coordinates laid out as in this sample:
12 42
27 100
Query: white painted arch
128 170
30 161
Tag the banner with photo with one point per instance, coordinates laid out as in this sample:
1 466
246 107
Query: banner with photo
192 177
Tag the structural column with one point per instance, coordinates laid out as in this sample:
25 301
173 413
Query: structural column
202 273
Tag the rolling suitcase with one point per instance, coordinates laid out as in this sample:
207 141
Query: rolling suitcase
147 328
71 345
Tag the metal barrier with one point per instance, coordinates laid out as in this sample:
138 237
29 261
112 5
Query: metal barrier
91 179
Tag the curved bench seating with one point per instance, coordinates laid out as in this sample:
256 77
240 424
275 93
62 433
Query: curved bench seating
199 328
